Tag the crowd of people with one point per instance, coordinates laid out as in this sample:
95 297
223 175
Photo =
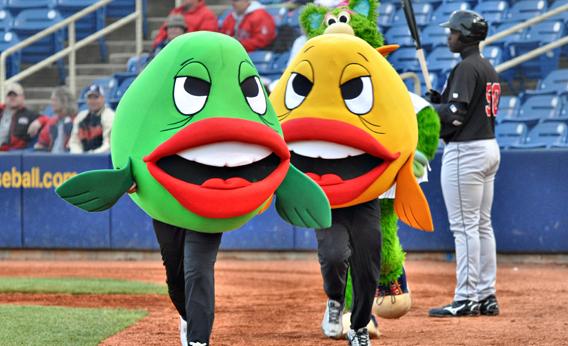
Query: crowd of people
88 131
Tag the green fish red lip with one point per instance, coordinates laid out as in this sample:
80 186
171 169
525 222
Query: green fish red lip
220 196
339 190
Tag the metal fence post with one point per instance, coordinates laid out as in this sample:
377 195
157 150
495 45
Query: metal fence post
2 76
72 57
139 15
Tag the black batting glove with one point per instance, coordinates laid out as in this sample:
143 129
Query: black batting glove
433 96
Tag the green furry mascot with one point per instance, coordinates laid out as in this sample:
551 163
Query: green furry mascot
393 297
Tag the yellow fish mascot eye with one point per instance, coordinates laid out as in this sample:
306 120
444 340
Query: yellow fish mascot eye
350 125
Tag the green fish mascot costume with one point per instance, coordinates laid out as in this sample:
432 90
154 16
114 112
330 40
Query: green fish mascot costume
393 295
199 148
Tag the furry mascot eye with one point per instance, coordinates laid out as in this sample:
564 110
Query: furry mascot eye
344 17
330 19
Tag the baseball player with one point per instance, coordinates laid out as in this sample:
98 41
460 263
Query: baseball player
467 108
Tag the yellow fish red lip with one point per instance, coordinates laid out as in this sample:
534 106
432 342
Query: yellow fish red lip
338 189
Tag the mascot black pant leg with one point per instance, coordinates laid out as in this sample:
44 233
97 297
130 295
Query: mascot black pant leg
353 240
199 263
189 258
171 240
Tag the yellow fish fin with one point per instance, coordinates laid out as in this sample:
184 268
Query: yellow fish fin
387 49
410 203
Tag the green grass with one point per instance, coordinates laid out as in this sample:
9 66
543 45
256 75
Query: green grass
50 325
77 286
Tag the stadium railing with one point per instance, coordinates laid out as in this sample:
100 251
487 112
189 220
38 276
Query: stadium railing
73 45
533 53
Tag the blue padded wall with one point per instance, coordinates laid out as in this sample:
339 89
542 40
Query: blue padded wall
10 200
50 222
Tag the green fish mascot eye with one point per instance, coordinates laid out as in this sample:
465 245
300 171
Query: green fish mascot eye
199 145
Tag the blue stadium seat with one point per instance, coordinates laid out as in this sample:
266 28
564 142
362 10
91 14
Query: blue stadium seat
7 40
114 99
562 16
538 107
17 6
400 35
562 114
510 134
262 59
494 54
434 36
122 76
545 135
108 84
526 9
535 37
89 24
279 14
443 12
433 2
494 11
514 37
280 62
6 20
404 59
442 60
135 63
422 12
385 13
556 82
293 18
509 107
30 22
471 3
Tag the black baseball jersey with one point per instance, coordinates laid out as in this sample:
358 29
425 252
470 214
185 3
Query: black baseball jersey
473 83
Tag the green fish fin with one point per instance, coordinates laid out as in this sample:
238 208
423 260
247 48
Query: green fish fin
97 190
301 202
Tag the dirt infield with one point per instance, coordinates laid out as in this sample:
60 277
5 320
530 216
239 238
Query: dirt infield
281 303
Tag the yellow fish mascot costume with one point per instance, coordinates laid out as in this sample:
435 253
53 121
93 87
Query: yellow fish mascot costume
350 126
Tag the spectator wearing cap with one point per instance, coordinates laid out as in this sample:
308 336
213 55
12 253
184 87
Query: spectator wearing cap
251 24
92 126
176 26
15 120
55 134
197 17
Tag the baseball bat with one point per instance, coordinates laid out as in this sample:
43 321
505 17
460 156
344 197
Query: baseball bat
411 20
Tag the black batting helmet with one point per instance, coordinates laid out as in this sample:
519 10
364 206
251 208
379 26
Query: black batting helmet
471 25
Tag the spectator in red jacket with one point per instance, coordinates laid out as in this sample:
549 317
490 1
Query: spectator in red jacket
250 24
198 17
15 120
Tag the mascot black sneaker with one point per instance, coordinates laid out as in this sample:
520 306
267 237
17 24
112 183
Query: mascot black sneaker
489 306
456 309
331 325
359 337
